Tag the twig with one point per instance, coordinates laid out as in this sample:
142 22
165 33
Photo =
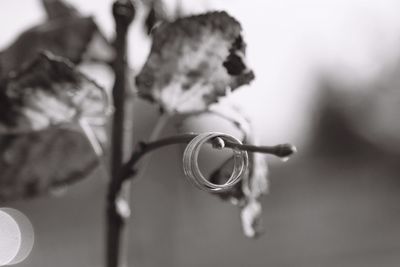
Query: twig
282 151
118 193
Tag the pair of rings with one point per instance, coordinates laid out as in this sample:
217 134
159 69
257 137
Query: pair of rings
191 166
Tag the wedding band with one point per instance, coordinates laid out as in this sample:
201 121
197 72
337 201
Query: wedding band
191 166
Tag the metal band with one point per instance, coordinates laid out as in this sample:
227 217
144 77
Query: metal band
191 166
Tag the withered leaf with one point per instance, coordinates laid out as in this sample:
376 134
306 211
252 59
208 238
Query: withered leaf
65 34
33 163
194 61
47 92
254 181
46 110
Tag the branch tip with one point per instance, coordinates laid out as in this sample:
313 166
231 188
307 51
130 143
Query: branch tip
285 150
124 11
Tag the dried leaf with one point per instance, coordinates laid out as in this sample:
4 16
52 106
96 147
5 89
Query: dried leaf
33 163
254 181
46 139
65 34
48 92
251 218
194 61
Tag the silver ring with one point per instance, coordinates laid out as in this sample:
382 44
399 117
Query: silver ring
191 166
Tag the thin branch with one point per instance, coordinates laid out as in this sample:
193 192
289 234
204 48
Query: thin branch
282 150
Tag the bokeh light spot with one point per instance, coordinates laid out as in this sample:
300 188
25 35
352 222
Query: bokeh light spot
16 236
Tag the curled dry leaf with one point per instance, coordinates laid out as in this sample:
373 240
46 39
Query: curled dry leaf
65 33
254 181
46 110
193 62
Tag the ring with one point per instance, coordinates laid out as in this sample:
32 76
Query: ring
191 166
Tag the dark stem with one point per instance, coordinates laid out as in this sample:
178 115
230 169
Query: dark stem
282 151
118 194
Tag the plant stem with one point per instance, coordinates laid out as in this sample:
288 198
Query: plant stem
118 193
282 150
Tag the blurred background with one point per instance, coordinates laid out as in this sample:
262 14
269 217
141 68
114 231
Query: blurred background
327 80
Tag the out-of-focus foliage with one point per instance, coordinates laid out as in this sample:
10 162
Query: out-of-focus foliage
48 92
35 162
46 110
65 33
194 61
